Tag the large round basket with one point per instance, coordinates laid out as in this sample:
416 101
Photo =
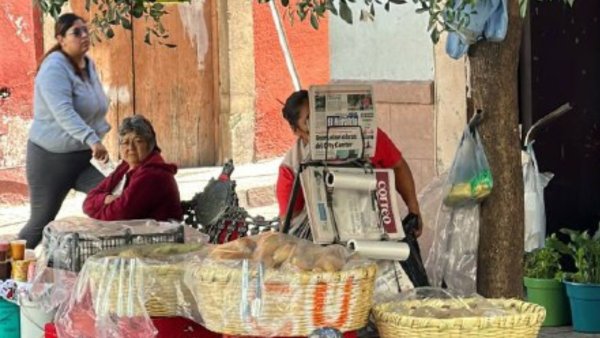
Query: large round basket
524 323
136 286
285 303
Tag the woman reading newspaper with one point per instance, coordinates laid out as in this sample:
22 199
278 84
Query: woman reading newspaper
386 155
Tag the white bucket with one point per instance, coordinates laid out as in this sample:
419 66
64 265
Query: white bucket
34 319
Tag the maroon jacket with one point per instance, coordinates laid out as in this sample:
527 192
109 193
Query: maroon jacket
150 192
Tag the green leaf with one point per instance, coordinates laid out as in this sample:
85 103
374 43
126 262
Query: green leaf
432 23
109 33
314 22
387 6
137 11
398 2
345 12
331 7
126 23
147 38
301 14
435 35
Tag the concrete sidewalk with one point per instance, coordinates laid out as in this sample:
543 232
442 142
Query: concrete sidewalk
564 332
255 186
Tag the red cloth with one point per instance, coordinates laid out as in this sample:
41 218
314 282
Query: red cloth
352 334
167 327
150 192
386 156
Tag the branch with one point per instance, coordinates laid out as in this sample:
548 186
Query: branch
444 16
110 14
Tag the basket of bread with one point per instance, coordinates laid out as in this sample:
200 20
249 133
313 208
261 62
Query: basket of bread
437 313
278 285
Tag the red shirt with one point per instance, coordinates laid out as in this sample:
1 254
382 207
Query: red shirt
386 156
150 192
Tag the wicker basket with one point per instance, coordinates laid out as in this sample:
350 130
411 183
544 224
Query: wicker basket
126 286
293 303
525 323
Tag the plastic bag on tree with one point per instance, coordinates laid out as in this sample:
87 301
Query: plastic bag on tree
470 178
452 258
535 212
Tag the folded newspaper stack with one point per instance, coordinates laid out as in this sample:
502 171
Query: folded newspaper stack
343 123
351 203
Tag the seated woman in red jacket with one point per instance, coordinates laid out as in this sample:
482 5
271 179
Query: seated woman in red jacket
142 186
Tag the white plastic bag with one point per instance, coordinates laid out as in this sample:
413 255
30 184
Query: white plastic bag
535 212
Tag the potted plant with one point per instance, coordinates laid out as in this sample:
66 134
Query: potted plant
583 286
543 275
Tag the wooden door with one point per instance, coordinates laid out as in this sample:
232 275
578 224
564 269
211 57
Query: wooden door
565 68
176 88
113 59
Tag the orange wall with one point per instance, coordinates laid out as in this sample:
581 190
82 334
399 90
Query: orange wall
21 45
20 48
310 50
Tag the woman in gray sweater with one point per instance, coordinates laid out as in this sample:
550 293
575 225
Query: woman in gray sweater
69 122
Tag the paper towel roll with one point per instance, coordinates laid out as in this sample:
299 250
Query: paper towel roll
350 181
395 251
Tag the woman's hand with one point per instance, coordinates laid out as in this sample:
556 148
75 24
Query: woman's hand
99 152
109 199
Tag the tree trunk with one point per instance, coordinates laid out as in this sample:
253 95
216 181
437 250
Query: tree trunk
494 85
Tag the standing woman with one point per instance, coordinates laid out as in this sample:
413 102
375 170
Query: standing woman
69 122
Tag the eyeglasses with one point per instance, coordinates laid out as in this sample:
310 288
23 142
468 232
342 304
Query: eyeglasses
79 31
128 142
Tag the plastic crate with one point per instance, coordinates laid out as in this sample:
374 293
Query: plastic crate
75 249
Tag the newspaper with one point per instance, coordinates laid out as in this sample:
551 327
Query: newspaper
342 122
351 203
105 168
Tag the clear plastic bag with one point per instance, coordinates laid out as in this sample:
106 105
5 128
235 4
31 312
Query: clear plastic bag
450 240
391 278
470 178
119 290
68 242
535 210
437 303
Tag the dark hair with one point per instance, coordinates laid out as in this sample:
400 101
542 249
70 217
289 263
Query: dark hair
142 127
62 25
291 108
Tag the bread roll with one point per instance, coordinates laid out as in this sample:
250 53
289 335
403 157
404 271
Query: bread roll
329 264
283 253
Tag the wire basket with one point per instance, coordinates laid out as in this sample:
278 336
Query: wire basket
75 248
292 303
524 323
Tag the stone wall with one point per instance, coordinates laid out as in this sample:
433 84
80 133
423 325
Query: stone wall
405 111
